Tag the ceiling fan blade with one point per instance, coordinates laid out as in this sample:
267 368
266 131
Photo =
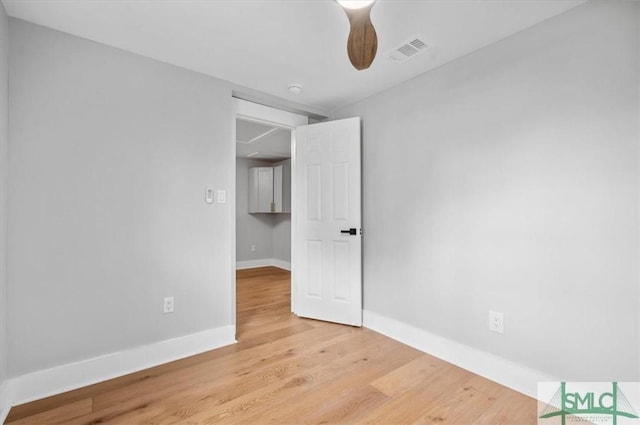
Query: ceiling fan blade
362 44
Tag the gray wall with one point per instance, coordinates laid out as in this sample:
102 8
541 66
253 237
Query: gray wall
282 237
271 233
4 56
110 155
251 229
508 180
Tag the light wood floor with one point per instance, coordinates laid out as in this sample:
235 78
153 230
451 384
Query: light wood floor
291 371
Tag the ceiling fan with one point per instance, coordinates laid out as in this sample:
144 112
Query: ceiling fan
363 41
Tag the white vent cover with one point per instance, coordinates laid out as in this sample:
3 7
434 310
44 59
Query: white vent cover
408 49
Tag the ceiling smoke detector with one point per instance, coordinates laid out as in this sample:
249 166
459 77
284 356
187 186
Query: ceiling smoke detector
408 49
295 88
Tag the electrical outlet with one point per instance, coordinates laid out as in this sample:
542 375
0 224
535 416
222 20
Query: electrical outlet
168 304
496 321
253 248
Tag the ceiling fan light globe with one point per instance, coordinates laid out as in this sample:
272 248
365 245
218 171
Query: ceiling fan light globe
355 4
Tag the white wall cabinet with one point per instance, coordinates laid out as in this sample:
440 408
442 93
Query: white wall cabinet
260 189
270 189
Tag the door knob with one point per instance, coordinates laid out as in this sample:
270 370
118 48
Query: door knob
352 231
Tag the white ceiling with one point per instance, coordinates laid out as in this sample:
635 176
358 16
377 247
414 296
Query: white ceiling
261 141
267 44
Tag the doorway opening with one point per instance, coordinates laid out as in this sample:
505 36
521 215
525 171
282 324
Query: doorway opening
263 195
263 145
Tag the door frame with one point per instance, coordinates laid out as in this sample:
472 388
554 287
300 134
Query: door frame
278 118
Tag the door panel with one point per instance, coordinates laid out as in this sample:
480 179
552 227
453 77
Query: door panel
328 275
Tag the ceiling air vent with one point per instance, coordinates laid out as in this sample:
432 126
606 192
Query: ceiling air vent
410 48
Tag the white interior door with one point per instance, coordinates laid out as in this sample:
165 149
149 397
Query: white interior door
327 243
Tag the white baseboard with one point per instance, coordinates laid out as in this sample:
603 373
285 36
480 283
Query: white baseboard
5 406
503 371
4 412
252 264
285 265
265 262
44 383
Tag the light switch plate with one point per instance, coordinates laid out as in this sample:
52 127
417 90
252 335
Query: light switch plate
222 196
